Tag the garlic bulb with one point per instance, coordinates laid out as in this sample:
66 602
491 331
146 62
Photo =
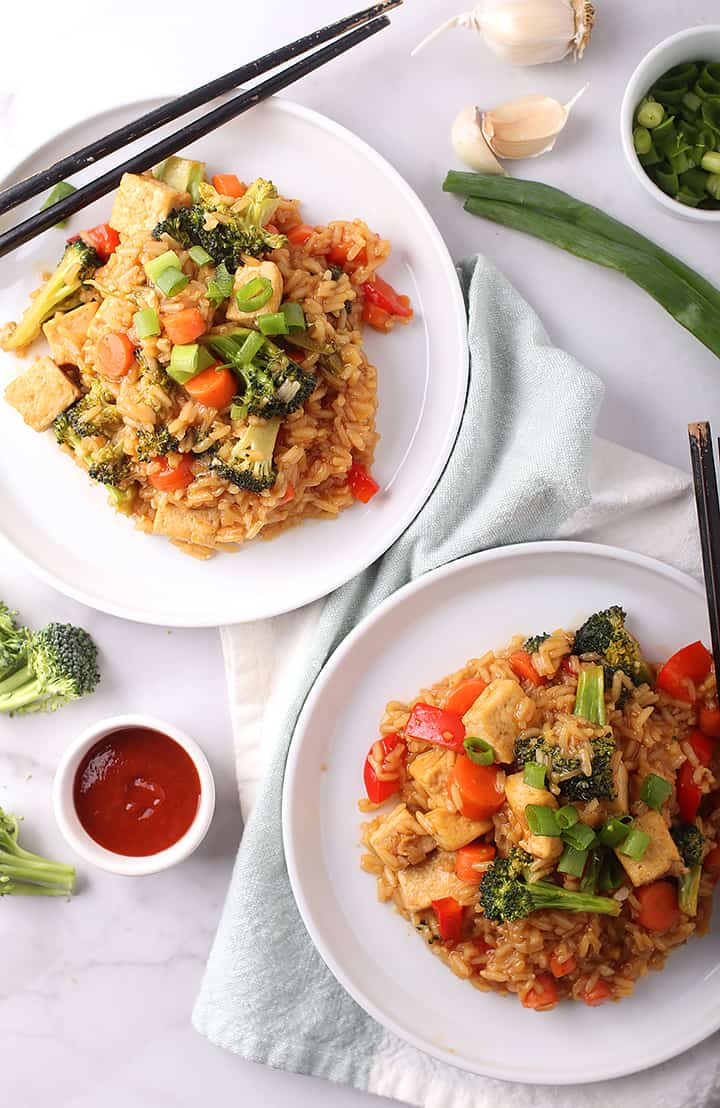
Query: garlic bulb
527 32
521 128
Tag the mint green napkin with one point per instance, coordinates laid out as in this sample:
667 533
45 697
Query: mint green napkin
518 471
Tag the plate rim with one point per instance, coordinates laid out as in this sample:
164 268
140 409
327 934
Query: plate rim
406 517
397 598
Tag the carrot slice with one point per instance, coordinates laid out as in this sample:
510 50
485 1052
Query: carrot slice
300 234
599 993
559 968
167 478
521 664
115 353
185 326
463 696
227 184
543 994
213 387
470 856
658 906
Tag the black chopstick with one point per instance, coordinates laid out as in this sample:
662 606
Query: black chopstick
708 510
151 121
197 129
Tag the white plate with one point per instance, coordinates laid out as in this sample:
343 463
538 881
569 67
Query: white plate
60 523
424 631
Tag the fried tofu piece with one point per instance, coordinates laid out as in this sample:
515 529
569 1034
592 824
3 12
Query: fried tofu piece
198 526
432 880
67 331
660 856
498 715
451 830
431 771
114 314
41 393
142 202
246 273
518 795
399 840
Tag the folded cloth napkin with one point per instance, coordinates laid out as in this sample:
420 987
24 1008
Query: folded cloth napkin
527 437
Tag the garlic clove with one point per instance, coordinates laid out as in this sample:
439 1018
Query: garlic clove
527 32
527 126
470 144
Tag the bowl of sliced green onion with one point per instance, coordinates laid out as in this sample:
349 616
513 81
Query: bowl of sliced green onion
670 123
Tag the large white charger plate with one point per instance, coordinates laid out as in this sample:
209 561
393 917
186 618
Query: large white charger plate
59 522
424 631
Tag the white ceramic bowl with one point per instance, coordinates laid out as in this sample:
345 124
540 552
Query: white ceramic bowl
694 44
76 835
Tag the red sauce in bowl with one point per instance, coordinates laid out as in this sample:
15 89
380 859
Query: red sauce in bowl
136 791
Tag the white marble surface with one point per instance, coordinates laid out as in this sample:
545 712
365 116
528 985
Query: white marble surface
95 995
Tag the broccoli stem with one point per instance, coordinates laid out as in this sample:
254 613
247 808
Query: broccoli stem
590 699
21 693
23 873
15 680
546 895
13 888
688 890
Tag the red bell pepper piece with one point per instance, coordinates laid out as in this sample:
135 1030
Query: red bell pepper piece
382 294
103 238
689 665
436 725
521 663
377 318
377 788
362 485
709 720
300 233
450 918
688 793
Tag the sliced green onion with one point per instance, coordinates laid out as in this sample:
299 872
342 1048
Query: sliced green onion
294 315
254 294
712 185
199 255
611 875
650 114
635 844
710 162
146 323
273 324
592 873
238 411
655 790
479 751
615 831
534 775
168 260
59 192
579 835
187 361
220 288
691 101
642 140
249 348
573 861
567 816
542 821
172 281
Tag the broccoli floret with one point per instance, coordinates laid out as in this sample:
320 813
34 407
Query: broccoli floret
13 641
690 841
590 698
249 462
61 665
65 433
96 412
566 771
605 634
23 873
532 645
155 443
224 227
109 465
506 893
274 385
122 500
77 263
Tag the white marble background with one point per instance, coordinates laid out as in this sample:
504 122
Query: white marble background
95 995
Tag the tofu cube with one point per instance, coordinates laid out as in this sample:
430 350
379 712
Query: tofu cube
246 273
432 880
498 715
518 795
67 331
399 840
41 393
660 856
450 830
431 771
142 202
198 525
114 314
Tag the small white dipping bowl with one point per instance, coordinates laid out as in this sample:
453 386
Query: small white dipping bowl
694 44
76 835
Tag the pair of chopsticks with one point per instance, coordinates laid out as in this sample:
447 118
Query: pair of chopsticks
708 510
360 26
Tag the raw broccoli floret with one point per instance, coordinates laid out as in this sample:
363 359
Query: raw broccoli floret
109 465
605 634
227 228
507 894
13 641
23 873
248 463
155 442
690 841
532 645
60 666
273 385
77 263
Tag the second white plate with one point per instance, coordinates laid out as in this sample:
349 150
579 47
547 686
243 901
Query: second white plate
424 631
